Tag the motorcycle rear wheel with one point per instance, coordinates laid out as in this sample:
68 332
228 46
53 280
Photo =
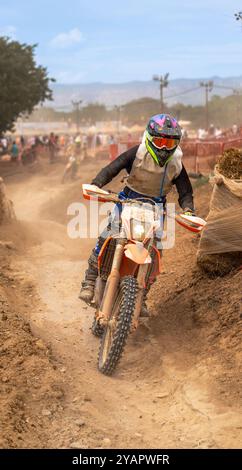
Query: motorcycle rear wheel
117 330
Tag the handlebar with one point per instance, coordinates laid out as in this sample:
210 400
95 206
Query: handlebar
192 223
114 197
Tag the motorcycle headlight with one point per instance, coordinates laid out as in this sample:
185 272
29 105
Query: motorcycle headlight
138 230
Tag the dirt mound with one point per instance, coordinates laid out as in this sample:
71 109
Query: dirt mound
6 208
219 264
31 388
205 312
220 250
230 163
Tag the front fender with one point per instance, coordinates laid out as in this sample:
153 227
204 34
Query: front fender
137 253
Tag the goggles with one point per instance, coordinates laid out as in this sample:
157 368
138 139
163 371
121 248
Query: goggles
160 142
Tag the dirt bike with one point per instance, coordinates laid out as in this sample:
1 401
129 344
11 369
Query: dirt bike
70 169
127 263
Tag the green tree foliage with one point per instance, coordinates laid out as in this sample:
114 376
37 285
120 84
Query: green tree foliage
223 112
139 111
93 112
23 84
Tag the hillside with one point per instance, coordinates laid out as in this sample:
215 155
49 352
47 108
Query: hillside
112 94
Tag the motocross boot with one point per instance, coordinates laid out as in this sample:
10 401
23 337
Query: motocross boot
88 284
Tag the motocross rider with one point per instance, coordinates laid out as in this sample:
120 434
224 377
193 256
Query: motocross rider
153 167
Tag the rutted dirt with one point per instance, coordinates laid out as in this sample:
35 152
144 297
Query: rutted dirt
178 382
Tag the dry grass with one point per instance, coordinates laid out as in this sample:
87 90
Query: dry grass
230 163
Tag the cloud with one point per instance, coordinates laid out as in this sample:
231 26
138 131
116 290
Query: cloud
9 31
63 40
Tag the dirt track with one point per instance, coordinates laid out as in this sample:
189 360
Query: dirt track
177 385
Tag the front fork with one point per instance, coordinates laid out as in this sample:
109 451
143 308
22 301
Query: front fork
141 278
111 287
111 284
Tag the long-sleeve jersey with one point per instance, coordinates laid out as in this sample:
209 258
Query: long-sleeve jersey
125 162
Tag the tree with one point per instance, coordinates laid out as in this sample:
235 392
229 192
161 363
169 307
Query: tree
23 83
139 111
92 113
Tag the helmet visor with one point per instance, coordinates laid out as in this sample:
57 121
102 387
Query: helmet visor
164 142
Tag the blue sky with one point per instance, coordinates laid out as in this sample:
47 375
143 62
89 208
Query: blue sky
109 41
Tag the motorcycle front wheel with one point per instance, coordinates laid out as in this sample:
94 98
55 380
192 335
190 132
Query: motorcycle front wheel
116 332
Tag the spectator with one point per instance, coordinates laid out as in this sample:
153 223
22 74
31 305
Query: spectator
52 148
14 152
62 140
211 130
234 130
218 132
111 140
184 133
98 140
201 134
129 138
4 144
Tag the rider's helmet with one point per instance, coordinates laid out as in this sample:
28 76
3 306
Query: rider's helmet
163 135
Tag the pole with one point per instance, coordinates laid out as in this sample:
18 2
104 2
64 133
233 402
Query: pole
206 100
208 86
161 97
76 105
163 80
239 113
118 109
238 106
